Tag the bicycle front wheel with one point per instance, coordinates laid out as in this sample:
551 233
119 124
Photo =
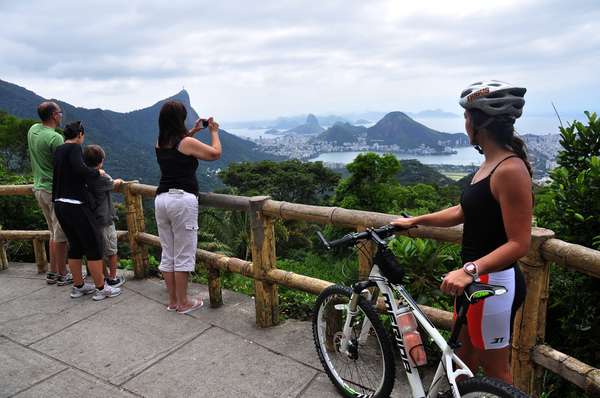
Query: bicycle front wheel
487 387
366 367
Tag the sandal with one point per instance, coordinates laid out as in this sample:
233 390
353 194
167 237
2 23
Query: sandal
196 303
169 308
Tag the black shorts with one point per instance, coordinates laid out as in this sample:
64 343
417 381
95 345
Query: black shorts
79 224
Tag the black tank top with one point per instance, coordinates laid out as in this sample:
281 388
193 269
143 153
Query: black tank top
177 170
483 229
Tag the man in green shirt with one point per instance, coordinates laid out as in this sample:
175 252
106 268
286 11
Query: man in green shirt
43 139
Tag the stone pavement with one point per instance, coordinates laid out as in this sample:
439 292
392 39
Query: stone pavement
129 346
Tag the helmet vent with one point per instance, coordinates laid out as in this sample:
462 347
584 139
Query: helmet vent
497 94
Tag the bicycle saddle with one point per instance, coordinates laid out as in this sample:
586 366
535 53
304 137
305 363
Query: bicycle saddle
478 291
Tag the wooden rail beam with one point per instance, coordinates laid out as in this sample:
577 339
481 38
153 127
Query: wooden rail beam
580 258
7 234
569 368
16 190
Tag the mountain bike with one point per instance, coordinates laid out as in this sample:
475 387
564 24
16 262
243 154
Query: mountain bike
356 350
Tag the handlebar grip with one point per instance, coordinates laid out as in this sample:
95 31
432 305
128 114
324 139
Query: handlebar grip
342 241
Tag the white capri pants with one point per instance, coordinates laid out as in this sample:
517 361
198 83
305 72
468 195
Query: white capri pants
176 215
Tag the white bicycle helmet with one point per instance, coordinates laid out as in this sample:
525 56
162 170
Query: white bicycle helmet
494 98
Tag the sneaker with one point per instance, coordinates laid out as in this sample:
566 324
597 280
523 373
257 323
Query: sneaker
117 282
62 280
87 288
51 278
108 291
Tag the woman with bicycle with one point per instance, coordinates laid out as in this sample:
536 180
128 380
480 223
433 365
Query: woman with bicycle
496 209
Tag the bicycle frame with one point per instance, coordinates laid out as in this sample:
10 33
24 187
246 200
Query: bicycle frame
449 358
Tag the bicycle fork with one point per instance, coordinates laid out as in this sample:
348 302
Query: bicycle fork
347 330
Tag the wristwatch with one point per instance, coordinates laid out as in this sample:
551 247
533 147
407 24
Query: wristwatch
471 269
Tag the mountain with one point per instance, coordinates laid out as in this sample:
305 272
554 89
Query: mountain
396 128
310 126
340 133
129 138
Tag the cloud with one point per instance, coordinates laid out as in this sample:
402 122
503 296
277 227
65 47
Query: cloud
248 59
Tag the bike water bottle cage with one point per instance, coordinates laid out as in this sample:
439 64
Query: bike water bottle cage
478 291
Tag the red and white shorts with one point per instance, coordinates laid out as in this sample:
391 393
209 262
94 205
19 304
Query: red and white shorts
489 321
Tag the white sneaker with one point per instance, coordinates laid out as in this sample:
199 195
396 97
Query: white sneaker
87 288
108 291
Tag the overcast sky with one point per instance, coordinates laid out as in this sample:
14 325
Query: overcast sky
244 60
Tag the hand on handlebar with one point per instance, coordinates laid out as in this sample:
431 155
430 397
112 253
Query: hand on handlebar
404 223
455 282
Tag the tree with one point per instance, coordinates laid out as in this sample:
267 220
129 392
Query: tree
290 181
14 154
571 207
371 185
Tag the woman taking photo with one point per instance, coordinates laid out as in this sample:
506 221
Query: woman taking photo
176 203
73 210
496 209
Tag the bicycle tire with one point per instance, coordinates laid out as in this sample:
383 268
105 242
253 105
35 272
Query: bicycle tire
376 352
486 387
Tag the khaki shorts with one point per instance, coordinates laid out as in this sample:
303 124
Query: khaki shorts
44 200
109 236
176 214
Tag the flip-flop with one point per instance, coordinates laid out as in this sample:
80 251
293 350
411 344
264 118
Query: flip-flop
197 303
169 308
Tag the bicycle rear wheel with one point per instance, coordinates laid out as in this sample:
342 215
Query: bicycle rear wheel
367 368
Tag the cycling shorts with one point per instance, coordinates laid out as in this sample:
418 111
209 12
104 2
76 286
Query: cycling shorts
490 321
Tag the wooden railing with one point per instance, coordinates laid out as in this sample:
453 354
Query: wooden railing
530 356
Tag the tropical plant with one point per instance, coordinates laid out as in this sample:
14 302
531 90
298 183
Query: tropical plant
425 262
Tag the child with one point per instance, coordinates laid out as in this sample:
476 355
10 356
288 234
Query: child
100 189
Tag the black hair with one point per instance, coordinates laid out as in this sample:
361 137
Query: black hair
171 123
93 155
502 130
72 130
46 109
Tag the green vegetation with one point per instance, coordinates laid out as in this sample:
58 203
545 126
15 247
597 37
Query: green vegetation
570 206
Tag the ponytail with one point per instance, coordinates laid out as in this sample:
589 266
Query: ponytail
502 129
520 149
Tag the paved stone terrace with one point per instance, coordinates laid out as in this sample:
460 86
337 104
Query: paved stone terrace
129 346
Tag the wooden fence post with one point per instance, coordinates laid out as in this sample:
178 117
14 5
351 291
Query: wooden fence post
530 321
215 293
366 249
39 250
3 257
263 260
135 224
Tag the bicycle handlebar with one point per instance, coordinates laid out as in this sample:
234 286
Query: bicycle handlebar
353 238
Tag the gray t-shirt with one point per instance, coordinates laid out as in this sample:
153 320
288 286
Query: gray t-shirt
100 188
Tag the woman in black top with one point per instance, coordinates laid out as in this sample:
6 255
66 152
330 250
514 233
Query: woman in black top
73 210
176 203
496 209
